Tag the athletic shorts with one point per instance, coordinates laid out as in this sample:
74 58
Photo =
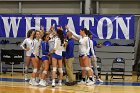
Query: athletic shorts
58 57
83 55
33 56
44 58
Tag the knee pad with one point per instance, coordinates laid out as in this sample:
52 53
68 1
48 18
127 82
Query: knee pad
26 68
54 69
60 70
87 68
44 72
35 70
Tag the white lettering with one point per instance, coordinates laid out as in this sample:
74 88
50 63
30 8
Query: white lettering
28 23
6 56
18 56
70 24
86 21
12 24
49 22
124 27
100 28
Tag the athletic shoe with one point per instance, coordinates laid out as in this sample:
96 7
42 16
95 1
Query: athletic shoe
26 77
93 79
59 84
88 80
37 79
43 83
99 80
30 81
53 84
33 82
81 82
90 83
48 81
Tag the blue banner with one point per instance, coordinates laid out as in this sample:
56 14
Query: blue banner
101 26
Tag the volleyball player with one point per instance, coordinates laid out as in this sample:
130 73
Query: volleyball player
57 57
45 59
52 35
64 54
28 42
40 65
35 57
93 59
84 48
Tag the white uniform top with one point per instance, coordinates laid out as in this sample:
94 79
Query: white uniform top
91 47
84 44
51 44
36 47
58 46
29 44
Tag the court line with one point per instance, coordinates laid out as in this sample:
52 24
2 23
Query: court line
104 83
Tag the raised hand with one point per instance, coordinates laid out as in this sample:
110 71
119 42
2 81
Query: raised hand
66 27
42 28
52 28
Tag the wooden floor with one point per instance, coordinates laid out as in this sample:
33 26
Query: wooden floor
9 84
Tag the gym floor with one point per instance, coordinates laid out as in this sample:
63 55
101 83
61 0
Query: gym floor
16 84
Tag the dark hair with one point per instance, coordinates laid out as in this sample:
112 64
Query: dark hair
60 35
89 33
29 33
44 36
36 32
85 30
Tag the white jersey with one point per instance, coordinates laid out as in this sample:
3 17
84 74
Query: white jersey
29 43
51 43
58 47
91 48
84 44
36 47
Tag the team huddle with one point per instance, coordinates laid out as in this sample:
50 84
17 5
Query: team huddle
53 49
